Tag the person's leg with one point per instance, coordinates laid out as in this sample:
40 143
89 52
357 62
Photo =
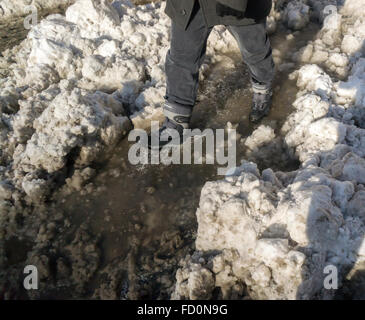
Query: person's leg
183 61
256 50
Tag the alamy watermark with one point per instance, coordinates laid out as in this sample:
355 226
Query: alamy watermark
330 282
331 17
31 280
219 149
32 19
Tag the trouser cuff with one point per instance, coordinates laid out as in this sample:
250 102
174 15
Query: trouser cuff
259 87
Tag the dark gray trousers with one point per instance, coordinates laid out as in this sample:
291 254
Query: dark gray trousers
187 52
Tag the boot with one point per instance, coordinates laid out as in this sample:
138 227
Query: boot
170 132
261 105
177 118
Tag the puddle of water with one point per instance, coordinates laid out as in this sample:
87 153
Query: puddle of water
142 202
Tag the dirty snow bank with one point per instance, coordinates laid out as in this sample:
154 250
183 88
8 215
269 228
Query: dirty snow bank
270 235
17 8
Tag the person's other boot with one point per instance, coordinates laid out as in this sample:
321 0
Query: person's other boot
261 105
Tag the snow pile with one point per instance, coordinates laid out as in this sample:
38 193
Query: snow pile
90 123
265 147
270 235
296 15
16 8
261 136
